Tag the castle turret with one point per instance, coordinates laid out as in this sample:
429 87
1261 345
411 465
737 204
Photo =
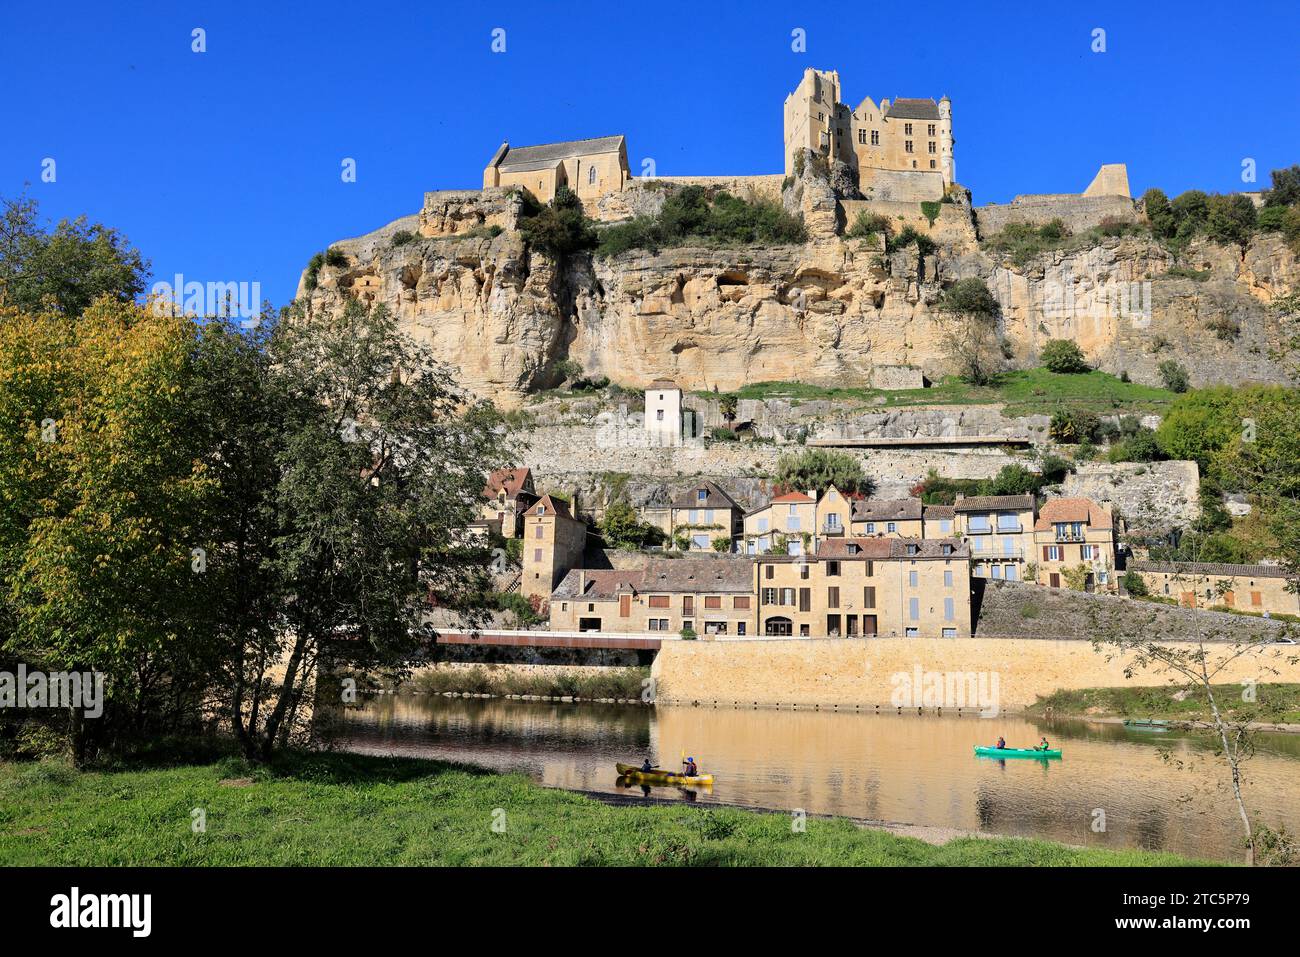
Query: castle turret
946 142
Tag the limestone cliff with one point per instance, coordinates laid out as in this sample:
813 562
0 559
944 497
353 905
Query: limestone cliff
834 311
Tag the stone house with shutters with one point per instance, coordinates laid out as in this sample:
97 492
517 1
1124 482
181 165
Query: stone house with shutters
1252 588
1072 534
786 525
703 514
710 596
860 587
553 542
1000 532
890 518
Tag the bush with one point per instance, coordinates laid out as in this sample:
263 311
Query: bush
930 210
910 237
1141 447
691 215
1135 585
1173 375
868 224
560 227
1065 356
819 469
401 238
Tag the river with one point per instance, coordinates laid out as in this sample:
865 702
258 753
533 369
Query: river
1158 791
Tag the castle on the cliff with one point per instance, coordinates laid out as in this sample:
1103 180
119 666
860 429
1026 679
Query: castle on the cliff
898 151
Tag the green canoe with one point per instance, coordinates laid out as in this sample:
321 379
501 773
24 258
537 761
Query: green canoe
1017 752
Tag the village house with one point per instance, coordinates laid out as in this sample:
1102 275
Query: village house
590 168
784 525
663 412
1075 536
1000 532
938 521
834 514
553 543
704 516
711 597
507 495
891 518
1263 589
854 587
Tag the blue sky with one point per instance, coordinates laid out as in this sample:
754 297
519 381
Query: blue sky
225 165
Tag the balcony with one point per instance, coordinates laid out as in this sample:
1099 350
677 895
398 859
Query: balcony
832 530
1070 537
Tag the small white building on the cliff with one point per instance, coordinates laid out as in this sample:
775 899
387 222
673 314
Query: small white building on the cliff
663 412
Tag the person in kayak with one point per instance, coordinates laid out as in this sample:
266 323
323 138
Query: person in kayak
646 766
689 768
1043 745
1002 743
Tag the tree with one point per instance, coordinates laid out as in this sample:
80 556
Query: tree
102 489
622 527
1159 215
1135 585
728 405
356 493
968 313
73 265
1173 375
1285 190
1065 356
1072 426
821 468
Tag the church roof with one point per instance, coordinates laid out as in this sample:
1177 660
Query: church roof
545 155
913 110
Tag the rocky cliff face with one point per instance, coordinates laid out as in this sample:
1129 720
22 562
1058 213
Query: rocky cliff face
828 312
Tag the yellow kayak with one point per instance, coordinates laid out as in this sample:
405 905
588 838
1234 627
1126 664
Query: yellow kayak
660 776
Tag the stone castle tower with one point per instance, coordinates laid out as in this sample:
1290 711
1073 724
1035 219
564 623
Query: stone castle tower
902 151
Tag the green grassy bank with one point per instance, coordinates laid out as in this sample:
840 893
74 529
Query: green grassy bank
336 809
1279 703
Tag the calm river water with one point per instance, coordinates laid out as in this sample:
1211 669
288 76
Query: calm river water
1160 791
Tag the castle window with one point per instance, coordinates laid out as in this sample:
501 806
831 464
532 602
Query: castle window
931 130
932 149
591 172
862 137
907 145
931 164
875 137
907 129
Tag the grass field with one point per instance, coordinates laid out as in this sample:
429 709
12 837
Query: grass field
343 810
1023 392
1273 702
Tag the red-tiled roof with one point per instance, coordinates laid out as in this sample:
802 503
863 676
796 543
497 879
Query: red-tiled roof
1072 510
552 506
793 497
512 480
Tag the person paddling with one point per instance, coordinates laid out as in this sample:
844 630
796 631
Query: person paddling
646 766
1002 743
689 768
1043 745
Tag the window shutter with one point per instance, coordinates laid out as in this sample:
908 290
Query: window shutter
1046 557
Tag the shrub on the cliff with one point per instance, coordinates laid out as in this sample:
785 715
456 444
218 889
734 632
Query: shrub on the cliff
1173 375
690 215
560 227
908 236
969 313
401 238
868 224
1064 356
622 528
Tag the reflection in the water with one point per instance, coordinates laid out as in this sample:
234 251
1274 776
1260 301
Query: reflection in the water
915 769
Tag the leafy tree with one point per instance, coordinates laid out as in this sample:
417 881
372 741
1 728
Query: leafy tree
1139 447
72 265
821 468
1173 375
1161 217
1064 355
349 506
622 527
102 489
969 315
1013 479
1230 219
1285 190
